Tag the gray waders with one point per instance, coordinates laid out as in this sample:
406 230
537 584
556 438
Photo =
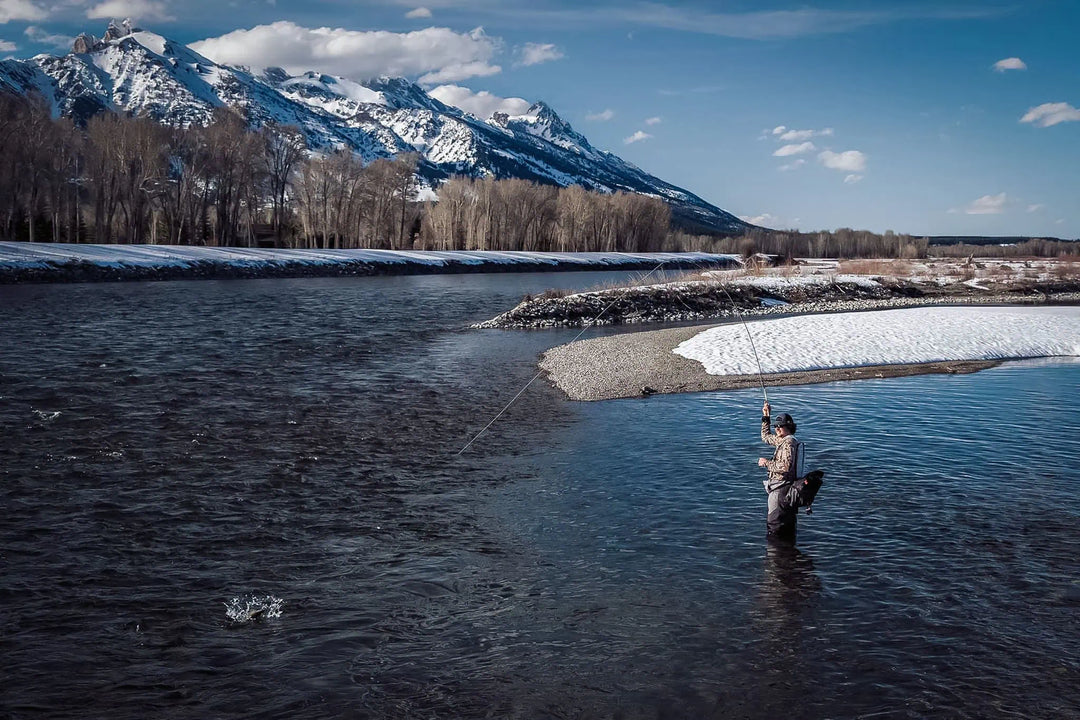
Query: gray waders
783 514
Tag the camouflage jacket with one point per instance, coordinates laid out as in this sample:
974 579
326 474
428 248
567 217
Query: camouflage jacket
784 466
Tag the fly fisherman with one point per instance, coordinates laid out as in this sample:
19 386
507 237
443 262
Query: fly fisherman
783 472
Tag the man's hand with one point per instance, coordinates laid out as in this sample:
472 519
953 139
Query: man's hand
761 462
765 410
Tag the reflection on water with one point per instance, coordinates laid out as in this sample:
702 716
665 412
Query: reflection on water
171 447
789 582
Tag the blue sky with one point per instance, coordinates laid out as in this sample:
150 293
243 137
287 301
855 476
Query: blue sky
916 116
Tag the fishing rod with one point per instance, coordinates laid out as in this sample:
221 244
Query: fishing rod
750 337
742 317
585 326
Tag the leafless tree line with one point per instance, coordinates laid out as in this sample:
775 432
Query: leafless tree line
1033 247
132 180
489 214
842 243
848 243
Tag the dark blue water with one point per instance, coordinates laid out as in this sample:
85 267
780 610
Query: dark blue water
939 575
298 439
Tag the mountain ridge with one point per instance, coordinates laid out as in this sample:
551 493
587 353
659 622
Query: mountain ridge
139 72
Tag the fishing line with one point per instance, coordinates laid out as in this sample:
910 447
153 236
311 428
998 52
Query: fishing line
541 372
750 336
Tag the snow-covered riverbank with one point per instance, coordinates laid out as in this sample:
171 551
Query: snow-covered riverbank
811 349
46 262
891 337
828 333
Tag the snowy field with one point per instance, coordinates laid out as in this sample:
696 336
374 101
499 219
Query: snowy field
44 256
887 337
974 272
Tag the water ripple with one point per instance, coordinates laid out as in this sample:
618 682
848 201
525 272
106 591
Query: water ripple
166 444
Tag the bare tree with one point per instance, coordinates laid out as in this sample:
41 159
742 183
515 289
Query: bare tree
63 172
231 161
103 173
283 150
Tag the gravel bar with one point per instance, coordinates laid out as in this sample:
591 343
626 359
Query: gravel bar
638 364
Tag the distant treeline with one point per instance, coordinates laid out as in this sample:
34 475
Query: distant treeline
126 179
848 243
995 240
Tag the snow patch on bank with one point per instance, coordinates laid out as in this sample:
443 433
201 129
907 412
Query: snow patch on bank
887 337
781 283
44 255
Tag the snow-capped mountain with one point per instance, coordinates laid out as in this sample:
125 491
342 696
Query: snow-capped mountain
143 73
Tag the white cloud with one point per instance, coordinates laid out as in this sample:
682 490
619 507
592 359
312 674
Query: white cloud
420 12
779 129
757 219
459 71
787 135
1035 207
1049 114
443 55
699 18
851 161
988 205
6 46
796 135
794 165
852 179
601 116
769 220
799 149
20 10
38 35
1013 63
481 104
765 24
653 120
135 9
536 53
636 137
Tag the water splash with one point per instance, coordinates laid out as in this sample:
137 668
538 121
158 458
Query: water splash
46 416
251 607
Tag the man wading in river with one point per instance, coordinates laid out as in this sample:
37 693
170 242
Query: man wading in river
783 472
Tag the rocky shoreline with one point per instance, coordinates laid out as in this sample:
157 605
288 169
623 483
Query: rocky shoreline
712 300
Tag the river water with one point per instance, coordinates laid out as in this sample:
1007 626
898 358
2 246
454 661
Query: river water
168 447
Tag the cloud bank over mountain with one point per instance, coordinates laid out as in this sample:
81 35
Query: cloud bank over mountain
436 55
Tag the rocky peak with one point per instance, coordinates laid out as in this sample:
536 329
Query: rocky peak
275 74
402 93
544 114
115 33
85 43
